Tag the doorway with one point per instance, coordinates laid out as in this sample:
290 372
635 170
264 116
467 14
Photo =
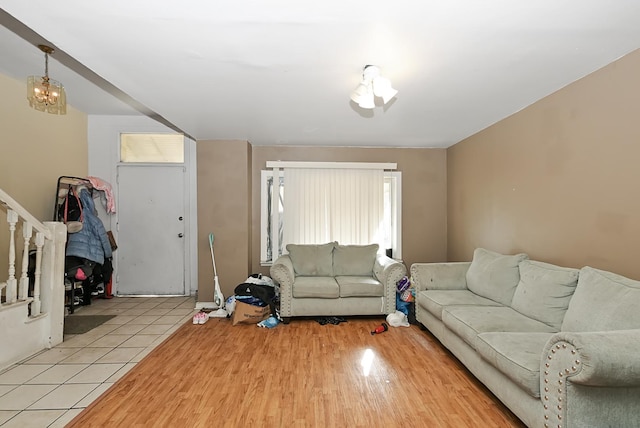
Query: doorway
151 230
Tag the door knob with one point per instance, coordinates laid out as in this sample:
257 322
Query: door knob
180 235
180 218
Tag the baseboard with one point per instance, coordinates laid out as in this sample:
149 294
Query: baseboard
206 305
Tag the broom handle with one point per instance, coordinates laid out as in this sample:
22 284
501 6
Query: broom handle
213 259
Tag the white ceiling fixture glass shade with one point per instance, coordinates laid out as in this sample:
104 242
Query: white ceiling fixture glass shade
372 85
45 94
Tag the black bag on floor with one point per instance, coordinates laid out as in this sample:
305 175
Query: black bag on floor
266 293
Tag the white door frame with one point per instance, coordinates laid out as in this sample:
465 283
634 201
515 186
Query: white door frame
104 156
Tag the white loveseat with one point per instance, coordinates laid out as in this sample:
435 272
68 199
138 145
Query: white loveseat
336 280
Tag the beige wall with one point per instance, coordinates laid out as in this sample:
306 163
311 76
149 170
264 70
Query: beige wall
36 148
224 209
423 198
558 180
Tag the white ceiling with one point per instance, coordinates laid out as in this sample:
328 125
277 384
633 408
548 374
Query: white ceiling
280 72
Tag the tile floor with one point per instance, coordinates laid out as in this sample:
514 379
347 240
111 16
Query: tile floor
50 388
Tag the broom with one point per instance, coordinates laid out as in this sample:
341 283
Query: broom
218 298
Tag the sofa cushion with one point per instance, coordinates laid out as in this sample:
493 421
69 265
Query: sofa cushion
494 276
435 300
469 321
603 301
354 260
517 355
360 286
544 291
312 260
315 286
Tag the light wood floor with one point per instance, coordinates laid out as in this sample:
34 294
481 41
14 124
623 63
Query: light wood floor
299 375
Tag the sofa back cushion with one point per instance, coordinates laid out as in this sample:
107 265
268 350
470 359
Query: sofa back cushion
544 291
603 301
494 276
312 260
354 260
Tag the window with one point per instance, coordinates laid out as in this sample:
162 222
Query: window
387 228
152 148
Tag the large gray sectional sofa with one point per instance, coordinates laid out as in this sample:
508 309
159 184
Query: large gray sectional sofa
336 280
560 347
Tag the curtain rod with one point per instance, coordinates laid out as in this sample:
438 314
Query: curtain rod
332 165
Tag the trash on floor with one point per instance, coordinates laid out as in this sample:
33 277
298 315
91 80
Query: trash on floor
331 320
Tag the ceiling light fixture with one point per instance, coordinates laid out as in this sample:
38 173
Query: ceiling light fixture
372 85
43 93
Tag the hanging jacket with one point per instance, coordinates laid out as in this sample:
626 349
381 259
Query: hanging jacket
91 242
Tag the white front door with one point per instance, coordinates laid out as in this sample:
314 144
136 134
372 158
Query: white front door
151 228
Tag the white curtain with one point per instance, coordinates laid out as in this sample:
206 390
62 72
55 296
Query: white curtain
324 205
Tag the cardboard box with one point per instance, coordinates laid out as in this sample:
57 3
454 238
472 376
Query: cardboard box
249 314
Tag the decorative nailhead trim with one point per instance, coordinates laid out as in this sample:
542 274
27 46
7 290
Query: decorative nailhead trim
561 374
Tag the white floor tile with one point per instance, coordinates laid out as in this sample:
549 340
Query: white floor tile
145 319
117 375
121 319
64 396
6 388
110 340
58 374
142 354
66 417
155 329
120 355
52 356
24 396
170 319
96 373
128 329
157 311
77 341
93 395
140 340
86 356
18 375
34 419
5 415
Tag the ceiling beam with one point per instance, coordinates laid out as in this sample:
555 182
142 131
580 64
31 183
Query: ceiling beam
21 30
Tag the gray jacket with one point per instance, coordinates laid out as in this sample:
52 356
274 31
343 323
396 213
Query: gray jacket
91 242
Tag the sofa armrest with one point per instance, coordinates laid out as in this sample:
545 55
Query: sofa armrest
439 276
389 271
602 358
591 377
283 274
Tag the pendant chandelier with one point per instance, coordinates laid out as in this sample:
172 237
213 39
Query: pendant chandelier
45 94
